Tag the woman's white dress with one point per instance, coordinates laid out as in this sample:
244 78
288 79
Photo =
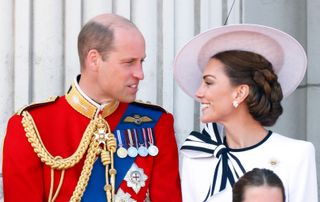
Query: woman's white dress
292 160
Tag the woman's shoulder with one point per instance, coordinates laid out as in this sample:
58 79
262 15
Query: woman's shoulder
292 144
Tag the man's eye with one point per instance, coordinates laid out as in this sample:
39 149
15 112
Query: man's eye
129 61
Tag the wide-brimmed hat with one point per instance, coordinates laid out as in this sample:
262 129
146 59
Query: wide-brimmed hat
285 53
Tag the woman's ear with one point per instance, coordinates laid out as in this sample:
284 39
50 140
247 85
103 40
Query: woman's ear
241 93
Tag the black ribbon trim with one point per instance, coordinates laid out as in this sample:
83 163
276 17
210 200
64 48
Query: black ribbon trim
229 174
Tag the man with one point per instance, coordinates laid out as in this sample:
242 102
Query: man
95 143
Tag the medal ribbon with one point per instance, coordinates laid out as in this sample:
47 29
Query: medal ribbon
145 137
150 135
119 138
131 143
136 138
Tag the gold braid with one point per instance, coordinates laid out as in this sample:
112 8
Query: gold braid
112 146
86 171
33 136
89 143
106 160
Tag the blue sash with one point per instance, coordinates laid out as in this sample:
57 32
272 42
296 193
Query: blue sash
95 188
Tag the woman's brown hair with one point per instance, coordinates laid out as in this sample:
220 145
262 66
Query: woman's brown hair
264 99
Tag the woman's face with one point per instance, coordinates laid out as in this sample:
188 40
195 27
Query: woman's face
215 93
263 194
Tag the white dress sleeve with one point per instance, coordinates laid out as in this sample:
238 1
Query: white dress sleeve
303 177
186 186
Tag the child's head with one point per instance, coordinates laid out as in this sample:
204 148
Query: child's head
259 185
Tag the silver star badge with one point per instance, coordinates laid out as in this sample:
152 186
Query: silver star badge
136 178
101 136
121 196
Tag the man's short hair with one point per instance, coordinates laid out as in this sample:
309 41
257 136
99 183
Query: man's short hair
95 35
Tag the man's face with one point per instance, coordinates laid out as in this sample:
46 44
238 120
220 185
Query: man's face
121 71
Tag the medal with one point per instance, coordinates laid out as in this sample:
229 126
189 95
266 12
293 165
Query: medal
135 178
142 151
132 151
121 152
152 149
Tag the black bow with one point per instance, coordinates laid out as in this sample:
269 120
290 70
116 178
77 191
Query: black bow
209 143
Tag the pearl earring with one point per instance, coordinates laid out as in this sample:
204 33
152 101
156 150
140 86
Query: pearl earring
235 103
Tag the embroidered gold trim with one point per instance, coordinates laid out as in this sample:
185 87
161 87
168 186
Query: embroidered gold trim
85 107
110 108
80 104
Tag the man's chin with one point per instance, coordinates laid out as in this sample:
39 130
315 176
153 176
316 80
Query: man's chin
128 99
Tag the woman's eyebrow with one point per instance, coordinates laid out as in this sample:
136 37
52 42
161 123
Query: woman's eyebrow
208 75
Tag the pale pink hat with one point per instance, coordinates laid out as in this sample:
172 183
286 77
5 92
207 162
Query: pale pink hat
285 53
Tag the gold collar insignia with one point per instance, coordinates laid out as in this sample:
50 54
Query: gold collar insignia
87 107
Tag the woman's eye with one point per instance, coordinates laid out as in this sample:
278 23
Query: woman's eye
208 83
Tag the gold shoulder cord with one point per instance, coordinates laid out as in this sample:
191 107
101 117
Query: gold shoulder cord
97 133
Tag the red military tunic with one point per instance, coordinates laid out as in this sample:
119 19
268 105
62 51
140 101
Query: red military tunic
61 124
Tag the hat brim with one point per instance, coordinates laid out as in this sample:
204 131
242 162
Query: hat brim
285 53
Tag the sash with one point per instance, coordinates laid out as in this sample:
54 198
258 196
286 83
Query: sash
131 119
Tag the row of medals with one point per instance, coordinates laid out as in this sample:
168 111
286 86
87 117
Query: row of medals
133 150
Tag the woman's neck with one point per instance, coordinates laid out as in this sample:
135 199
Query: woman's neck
244 133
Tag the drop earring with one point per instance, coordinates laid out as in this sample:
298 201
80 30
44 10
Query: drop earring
235 103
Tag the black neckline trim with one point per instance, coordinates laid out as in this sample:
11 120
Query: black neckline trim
248 148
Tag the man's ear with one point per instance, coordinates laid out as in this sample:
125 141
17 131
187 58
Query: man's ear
93 60
241 93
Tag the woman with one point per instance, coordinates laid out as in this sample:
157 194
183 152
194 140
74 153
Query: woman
261 185
243 72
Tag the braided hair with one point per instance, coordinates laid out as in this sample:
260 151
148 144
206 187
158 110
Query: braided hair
264 99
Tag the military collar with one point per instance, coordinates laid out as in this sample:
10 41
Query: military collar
83 104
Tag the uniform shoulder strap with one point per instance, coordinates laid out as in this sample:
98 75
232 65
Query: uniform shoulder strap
37 104
150 105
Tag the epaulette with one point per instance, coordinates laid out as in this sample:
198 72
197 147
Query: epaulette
36 104
150 105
